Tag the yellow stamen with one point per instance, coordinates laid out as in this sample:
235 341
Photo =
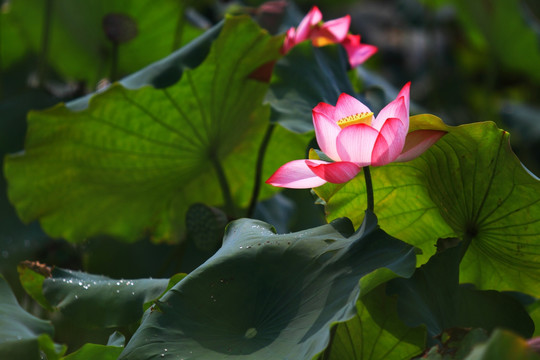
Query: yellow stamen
322 41
362 118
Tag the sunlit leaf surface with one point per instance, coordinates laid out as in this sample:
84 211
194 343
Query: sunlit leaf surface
376 332
134 160
95 351
469 185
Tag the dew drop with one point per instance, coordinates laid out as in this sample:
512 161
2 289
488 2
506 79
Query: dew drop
118 291
250 333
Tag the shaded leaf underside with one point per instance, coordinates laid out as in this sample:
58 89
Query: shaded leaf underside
267 296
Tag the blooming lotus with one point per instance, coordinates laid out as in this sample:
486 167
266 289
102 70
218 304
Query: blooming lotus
330 32
351 138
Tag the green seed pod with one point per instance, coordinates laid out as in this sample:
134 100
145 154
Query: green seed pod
205 226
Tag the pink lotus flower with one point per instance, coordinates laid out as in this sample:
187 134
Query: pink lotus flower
330 32
352 138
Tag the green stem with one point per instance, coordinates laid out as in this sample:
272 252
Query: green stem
369 189
45 37
177 41
258 170
224 184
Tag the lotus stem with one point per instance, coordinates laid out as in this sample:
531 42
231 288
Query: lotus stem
45 38
179 32
224 184
369 189
258 170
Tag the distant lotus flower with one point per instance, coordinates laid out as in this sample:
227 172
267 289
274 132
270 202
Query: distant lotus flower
358 53
352 138
330 32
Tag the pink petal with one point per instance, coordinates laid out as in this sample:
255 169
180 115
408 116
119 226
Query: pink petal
337 173
389 143
405 93
331 32
395 109
326 131
355 143
312 18
325 109
347 106
290 41
296 175
358 53
417 142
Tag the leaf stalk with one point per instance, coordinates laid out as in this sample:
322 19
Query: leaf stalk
369 189
224 184
258 169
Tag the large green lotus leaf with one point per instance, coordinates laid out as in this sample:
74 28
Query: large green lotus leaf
21 334
433 297
134 160
90 351
268 296
77 45
376 332
304 77
95 351
92 300
469 185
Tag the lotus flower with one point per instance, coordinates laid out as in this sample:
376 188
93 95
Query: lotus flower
330 32
351 137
